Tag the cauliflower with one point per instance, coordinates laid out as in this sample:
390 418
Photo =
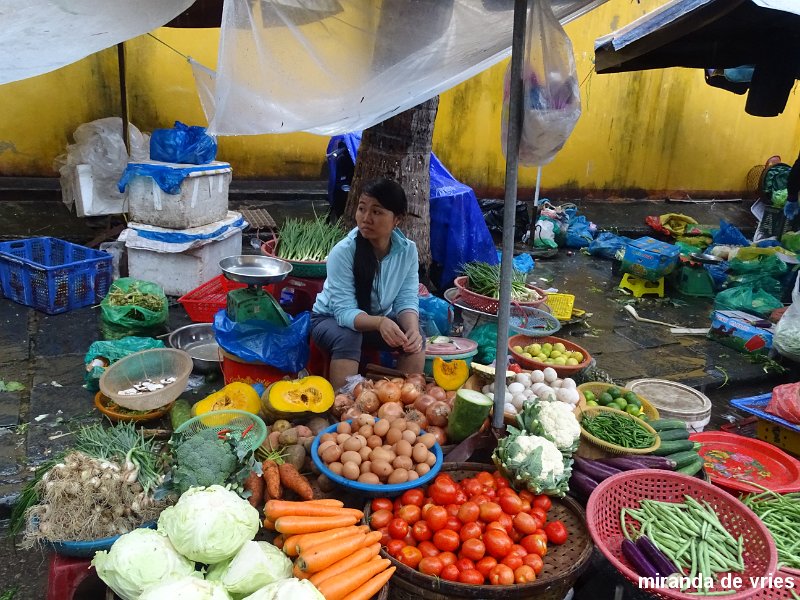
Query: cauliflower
553 420
546 453
533 462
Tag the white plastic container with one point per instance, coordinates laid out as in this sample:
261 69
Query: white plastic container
77 189
203 198
675 401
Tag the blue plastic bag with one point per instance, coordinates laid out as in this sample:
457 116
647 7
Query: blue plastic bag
523 262
434 315
579 233
607 244
285 348
729 235
184 144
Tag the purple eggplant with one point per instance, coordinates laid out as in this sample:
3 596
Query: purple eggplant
638 560
582 484
656 557
629 463
594 469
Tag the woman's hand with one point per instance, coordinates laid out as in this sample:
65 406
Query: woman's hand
414 343
391 333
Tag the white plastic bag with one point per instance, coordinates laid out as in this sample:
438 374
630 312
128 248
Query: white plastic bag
551 94
787 332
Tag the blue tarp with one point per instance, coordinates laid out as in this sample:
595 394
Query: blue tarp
458 230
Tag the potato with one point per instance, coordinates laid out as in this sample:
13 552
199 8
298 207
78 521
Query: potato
380 454
350 470
280 425
422 469
431 459
412 475
295 455
289 437
336 467
366 430
410 436
324 446
273 440
317 424
381 468
374 441
428 439
350 456
398 476
352 443
327 436
364 419
381 427
403 448
360 438
306 443
365 452
341 438
325 483
403 462
419 453
412 426
331 454
399 424
343 427
303 431
369 478
366 466
394 435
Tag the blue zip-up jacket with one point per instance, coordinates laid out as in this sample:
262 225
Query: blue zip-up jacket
396 286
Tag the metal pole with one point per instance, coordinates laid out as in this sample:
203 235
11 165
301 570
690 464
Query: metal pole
123 94
509 211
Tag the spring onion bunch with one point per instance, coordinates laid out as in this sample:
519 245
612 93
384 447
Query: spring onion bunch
484 279
306 241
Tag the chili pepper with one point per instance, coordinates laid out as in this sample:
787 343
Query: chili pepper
247 430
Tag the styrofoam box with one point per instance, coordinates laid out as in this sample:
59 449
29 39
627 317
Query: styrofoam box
77 189
181 272
203 198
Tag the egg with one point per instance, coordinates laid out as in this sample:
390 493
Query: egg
569 384
537 376
487 388
550 374
540 388
516 388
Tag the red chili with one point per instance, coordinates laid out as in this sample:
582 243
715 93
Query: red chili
222 433
247 430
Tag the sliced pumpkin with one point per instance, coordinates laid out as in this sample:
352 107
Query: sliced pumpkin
289 399
450 374
234 396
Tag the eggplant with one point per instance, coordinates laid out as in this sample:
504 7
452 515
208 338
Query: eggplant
638 560
594 469
582 484
656 557
629 463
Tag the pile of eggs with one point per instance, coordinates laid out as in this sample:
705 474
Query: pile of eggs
544 385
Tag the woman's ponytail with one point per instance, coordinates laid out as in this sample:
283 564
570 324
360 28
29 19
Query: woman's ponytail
365 265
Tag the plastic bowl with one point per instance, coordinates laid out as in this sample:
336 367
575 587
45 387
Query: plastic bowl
101 402
88 548
370 490
533 364
150 364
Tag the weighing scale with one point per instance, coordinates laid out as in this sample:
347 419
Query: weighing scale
253 302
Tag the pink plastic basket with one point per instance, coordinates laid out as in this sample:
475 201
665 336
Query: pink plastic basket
626 489
489 305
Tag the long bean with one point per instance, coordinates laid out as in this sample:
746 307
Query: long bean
619 429
780 513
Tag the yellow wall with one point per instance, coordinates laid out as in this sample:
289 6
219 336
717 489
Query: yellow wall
648 131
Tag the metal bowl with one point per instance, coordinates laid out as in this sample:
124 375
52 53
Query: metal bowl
253 269
198 341
705 259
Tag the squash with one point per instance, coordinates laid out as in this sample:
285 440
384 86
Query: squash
234 396
451 374
290 399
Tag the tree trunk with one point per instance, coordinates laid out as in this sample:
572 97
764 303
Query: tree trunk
400 149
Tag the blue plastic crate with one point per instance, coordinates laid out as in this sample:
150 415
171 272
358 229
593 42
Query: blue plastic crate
53 275
756 404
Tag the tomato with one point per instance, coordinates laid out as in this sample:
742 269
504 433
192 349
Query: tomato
470 531
472 487
495 525
452 509
446 540
394 547
461 496
524 523
464 564
543 502
450 573
501 575
426 507
415 497
471 576
409 539
436 518
410 513
385 537
444 477
469 512
443 491
539 513
453 523
485 565
490 493
526 506
510 503
430 565
480 499
500 481
485 479
421 531
497 543
398 529
512 561
448 558
518 550
516 536
490 511
396 505
556 532
534 561
427 548
524 574
535 543
381 504
504 491
410 556
473 549
506 521
380 518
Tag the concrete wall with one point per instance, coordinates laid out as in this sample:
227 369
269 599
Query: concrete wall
640 133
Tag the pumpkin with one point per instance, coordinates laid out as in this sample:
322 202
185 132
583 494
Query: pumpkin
450 374
234 396
289 399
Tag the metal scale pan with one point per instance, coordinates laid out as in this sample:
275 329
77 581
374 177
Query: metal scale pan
253 269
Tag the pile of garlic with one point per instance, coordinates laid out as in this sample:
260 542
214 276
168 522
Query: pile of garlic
536 384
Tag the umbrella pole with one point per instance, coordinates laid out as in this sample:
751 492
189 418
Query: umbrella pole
123 94
509 211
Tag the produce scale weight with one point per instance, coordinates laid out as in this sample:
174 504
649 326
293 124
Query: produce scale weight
253 302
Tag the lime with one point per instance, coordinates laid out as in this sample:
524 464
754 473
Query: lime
578 356
630 396
518 349
589 396
526 354
535 349
616 404
614 392
605 399
632 410
621 402
634 402
560 360
555 354
572 362
559 346
591 403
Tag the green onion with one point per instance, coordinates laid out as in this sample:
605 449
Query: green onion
308 241
484 279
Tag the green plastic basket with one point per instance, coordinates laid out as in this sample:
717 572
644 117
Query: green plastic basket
251 428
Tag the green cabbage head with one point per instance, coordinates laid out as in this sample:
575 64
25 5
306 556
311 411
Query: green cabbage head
187 588
287 589
254 566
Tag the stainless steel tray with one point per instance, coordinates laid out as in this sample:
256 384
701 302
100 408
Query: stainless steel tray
254 269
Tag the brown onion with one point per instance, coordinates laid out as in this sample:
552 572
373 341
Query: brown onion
351 413
364 384
368 401
417 378
416 416
450 397
398 380
438 413
409 392
423 402
439 433
388 392
340 404
390 410
438 393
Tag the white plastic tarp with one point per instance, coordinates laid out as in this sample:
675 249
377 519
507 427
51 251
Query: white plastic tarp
39 36
334 66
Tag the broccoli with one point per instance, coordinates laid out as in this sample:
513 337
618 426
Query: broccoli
203 460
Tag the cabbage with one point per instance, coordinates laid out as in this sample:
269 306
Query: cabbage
187 588
210 524
139 559
287 589
254 566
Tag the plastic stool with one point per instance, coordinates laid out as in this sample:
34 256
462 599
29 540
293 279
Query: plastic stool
640 287
319 361
65 575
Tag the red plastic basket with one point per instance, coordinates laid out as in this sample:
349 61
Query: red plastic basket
780 593
626 489
203 302
490 305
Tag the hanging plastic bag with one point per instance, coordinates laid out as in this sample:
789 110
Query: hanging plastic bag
133 307
787 332
551 102
486 337
103 354
183 144
434 315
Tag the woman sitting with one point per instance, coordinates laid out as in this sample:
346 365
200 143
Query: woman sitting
371 294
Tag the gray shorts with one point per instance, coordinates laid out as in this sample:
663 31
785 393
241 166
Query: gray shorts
343 343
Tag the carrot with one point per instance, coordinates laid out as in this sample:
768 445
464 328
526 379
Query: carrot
282 508
295 542
327 502
372 587
337 587
255 485
279 541
296 572
272 479
269 524
293 480
292 524
325 554
359 557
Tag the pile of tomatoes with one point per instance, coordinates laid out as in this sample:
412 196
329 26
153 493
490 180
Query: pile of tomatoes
476 531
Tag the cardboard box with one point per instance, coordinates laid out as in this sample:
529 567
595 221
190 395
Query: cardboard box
738 330
650 259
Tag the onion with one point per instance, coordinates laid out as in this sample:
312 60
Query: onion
449 397
438 433
416 416
340 404
351 413
388 392
417 378
409 392
390 410
437 413
398 380
438 393
423 402
368 401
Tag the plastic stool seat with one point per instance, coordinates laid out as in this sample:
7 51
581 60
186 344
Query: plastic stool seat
639 287
66 575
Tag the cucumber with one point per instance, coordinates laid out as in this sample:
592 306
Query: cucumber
671 435
664 424
470 409
180 412
667 448
682 459
692 468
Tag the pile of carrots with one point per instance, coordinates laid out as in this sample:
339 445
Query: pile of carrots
340 558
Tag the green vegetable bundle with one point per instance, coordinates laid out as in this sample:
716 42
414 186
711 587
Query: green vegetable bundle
619 429
308 241
484 279
781 515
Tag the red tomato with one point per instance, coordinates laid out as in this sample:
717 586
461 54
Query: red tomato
453 523
446 540
421 531
480 499
472 487
396 505
512 561
461 496
501 575
495 525
473 549
409 539
427 548
504 491
444 477
518 550
539 513
410 513
448 558
469 512
410 556
534 561
527 495
536 543
436 518
452 509
524 523
543 502
490 511
510 503
464 564
394 547
426 507
380 518
485 479
415 497
470 531
450 573
526 506
497 543
471 576
490 493
382 504
500 481
524 574
556 532
430 565
516 536
443 491
385 537
485 565
506 521
398 529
